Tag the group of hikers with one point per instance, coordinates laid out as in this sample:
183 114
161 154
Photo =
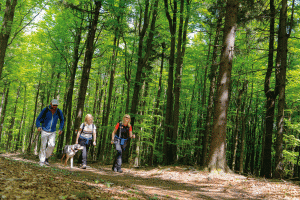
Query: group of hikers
86 136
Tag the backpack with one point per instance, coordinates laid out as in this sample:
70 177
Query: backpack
84 126
120 124
45 112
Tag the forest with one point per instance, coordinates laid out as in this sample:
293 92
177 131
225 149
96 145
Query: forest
207 83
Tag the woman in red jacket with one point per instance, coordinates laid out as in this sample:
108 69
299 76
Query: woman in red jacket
120 135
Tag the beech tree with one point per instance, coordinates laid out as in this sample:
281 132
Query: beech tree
217 153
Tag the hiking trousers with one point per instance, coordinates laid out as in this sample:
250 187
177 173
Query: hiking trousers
47 139
85 149
120 149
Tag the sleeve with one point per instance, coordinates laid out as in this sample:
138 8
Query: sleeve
62 120
38 119
81 126
130 129
117 126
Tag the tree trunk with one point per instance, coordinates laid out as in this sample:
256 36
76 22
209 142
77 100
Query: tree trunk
266 167
5 30
3 108
69 105
86 67
244 114
101 151
210 101
217 153
281 64
143 53
181 44
12 122
22 122
156 109
236 130
168 133
33 126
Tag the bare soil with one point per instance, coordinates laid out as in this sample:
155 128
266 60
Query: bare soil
21 177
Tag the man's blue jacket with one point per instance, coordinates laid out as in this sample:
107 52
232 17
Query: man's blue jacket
49 120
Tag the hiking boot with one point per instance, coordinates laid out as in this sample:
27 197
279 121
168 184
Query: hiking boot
114 169
46 162
120 170
83 167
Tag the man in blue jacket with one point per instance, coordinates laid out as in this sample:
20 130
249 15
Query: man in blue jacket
48 118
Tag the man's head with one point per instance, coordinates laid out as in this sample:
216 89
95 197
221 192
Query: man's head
54 103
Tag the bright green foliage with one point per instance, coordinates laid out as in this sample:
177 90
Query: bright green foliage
40 58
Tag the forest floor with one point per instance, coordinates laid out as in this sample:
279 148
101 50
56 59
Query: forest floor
21 177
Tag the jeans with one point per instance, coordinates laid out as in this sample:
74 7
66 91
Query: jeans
120 149
85 149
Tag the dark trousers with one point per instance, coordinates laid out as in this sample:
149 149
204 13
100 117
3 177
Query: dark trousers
120 149
85 149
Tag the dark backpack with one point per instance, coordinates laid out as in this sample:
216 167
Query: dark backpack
45 112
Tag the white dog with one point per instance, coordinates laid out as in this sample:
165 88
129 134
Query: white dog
70 151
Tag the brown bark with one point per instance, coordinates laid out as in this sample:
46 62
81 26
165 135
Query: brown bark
101 151
68 106
181 44
236 130
22 122
210 101
143 52
156 108
86 67
33 125
168 129
3 111
266 167
217 153
6 29
12 122
281 64
243 136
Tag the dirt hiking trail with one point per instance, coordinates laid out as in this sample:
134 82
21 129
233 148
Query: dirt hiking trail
21 177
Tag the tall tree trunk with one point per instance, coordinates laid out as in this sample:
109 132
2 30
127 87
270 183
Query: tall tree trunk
86 67
69 105
266 167
22 122
3 111
217 153
12 122
244 114
128 69
181 44
2 101
236 130
156 108
210 101
281 64
101 151
143 53
5 30
33 126
168 133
